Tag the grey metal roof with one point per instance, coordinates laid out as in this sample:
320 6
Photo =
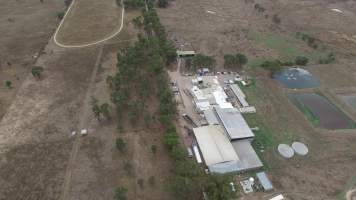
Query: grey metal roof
224 167
248 159
265 182
211 117
234 124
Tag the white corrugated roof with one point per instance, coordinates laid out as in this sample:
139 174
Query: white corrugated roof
214 145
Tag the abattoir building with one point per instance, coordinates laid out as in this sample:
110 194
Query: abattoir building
225 144
222 155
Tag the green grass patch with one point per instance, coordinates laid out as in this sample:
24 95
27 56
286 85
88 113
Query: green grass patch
284 46
306 111
250 90
254 63
264 139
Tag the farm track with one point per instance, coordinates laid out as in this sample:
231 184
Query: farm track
84 116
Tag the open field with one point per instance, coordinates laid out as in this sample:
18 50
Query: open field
39 158
26 27
216 27
80 18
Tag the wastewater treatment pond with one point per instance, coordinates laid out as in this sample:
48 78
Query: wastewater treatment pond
296 78
321 112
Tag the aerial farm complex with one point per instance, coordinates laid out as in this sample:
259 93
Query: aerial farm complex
177 100
225 140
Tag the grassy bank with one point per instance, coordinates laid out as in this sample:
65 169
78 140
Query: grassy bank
309 115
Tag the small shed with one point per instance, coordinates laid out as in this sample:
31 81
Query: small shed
185 53
265 182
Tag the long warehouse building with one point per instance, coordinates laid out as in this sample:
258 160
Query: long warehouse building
234 124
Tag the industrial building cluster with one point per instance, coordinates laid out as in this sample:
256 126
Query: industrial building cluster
221 136
225 140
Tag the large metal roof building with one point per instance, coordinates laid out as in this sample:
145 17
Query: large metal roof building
214 145
223 156
247 155
234 124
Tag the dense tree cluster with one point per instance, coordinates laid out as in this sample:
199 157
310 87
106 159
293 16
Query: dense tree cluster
272 65
235 61
200 61
133 3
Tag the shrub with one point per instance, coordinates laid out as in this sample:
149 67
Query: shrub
105 110
60 15
276 19
217 187
162 3
301 60
134 3
152 181
153 149
140 182
120 144
120 193
272 65
8 84
128 168
329 59
37 71
137 21
67 3
170 140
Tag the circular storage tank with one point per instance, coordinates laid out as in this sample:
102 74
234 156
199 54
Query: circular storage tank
285 151
300 148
